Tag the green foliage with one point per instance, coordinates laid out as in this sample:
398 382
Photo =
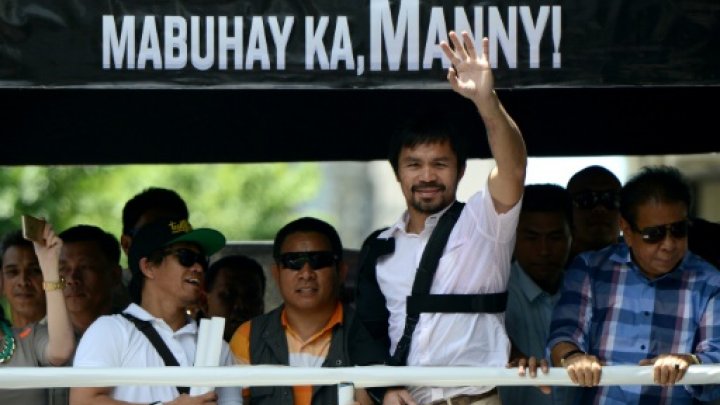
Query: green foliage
245 202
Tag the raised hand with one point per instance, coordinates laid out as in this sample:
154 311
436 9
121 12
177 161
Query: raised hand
470 74
48 254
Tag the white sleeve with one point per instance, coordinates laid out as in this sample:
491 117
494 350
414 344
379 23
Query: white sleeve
102 344
497 227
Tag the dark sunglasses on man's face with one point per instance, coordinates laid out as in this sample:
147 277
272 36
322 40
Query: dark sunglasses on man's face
657 234
588 200
187 257
296 260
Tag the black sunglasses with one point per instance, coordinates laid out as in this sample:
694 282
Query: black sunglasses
656 234
588 200
296 260
187 257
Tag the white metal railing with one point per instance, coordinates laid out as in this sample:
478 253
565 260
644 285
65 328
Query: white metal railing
370 376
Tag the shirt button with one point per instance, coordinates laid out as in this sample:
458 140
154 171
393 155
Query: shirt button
642 347
647 313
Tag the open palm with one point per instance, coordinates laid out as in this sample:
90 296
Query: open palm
470 74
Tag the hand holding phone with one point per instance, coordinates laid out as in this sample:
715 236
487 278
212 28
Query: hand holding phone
33 229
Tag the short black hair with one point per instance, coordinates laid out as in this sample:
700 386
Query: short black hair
165 200
654 183
308 224
427 128
548 198
704 239
137 279
13 238
109 245
237 262
590 171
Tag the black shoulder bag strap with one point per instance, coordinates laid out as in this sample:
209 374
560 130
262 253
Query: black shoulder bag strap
147 329
369 300
424 276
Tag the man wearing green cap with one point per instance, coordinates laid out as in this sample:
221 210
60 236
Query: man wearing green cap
168 260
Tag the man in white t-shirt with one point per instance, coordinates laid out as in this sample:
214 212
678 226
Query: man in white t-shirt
429 162
168 259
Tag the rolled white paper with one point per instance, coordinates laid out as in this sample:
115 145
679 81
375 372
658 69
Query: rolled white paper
202 341
201 353
214 344
346 393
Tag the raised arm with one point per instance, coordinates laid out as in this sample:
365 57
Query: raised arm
470 75
61 339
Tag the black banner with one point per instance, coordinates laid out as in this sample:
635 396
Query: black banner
354 43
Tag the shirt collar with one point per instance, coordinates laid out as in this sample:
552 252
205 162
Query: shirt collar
622 255
528 287
140 313
335 319
401 224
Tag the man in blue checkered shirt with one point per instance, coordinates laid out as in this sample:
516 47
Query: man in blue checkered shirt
645 301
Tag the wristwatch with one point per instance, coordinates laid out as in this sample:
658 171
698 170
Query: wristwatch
54 285
570 354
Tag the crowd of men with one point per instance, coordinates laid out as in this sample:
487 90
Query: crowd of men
581 277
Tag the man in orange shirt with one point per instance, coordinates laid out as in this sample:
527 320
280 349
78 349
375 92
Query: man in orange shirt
312 328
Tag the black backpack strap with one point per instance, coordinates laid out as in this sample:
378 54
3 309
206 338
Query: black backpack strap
457 303
370 304
424 276
154 337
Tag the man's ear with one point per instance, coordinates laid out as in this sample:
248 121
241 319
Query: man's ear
626 229
125 241
147 268
461 172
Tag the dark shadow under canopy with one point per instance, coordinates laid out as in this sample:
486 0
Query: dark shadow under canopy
118 126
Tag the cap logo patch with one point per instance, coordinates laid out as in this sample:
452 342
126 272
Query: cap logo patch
180 227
